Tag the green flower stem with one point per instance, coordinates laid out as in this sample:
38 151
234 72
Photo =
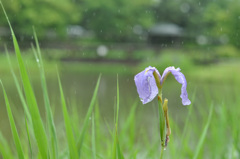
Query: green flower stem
165 109
161 154
161 113
161 122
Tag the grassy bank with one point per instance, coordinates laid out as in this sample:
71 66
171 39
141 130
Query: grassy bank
196 64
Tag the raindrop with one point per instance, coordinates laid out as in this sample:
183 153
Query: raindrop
37 60
90 118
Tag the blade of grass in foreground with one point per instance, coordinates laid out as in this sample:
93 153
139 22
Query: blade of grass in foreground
53 136
129 125
38 127
182 141
13 126
116 145
4 148
25 107
93 138
69 131
204 133
86 120
29 141
188 116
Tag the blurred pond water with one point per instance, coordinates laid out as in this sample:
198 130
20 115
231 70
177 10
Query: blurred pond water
79 87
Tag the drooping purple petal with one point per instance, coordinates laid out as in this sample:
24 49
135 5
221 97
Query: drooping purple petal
179 76
146 84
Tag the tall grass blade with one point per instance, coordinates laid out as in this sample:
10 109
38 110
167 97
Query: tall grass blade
23 101
188 116
4 148
120 155
13 126
69 132
86 120
38 127
183 136
50 120
29 140
116 145
117 102
129 125
93 138
204 133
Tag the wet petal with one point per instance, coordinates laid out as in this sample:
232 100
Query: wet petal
179 76
146 84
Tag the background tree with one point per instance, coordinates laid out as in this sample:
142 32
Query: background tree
115 20
45 15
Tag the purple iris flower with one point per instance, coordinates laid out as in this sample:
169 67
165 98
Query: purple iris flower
147 87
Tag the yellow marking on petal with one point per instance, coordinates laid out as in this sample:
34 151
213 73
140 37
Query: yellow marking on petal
147 70
157 79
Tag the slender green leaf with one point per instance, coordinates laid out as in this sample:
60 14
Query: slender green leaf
188 116
90 150
38 127
129 128
116 145
129 123
4 148
93 138
120 155
51 126
13 126
204 133
86 120
23 101
183 136
117 102
69 131
29 140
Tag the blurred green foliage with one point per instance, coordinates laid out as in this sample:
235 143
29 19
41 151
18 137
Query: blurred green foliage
46 16
118 20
